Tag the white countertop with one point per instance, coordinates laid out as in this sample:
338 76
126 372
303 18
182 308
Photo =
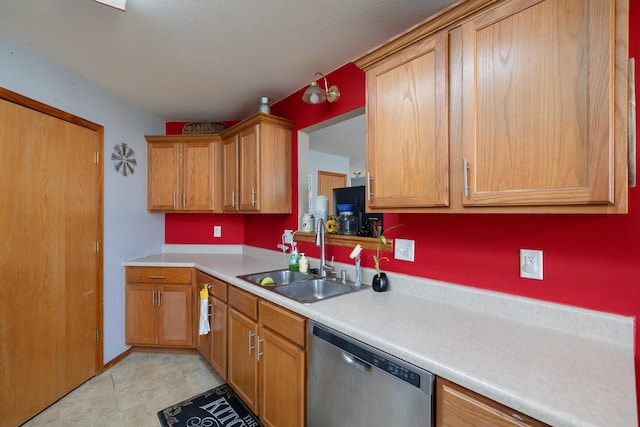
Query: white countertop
562 365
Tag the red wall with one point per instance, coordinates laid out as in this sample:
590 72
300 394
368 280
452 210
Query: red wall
589 260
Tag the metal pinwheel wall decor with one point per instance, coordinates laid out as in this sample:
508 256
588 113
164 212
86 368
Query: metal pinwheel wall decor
124 159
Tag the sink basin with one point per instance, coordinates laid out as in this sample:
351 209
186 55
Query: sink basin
315 290
279 277
301 287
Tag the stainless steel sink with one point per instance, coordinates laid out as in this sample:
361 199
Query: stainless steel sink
316 290
301 287
279 277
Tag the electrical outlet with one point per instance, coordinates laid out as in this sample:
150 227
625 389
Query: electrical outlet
288 237
217 231
531 264
404 249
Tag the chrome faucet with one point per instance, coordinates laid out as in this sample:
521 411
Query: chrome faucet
320 232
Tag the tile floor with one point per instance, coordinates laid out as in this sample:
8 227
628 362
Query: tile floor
131 393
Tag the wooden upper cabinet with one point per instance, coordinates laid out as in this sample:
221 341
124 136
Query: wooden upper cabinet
231 175
538 103
259 176
407 127
502 106
202 170
163 176
250 167
184 173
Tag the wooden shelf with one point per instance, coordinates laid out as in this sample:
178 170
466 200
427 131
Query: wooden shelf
341 240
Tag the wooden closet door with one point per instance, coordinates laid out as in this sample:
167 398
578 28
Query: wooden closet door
50 220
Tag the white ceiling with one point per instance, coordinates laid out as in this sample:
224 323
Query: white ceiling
207 59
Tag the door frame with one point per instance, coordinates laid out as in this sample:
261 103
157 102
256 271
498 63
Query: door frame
32 104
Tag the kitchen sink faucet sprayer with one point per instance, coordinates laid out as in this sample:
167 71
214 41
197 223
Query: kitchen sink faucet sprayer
320 232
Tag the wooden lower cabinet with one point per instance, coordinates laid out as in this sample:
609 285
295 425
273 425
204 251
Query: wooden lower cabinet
457 406
213 346
282 381
158 307
218 333
243 360
267 359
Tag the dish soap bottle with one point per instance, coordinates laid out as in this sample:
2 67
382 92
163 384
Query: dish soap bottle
293 258
304 263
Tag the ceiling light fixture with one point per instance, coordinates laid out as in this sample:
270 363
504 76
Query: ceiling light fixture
117 4
316 95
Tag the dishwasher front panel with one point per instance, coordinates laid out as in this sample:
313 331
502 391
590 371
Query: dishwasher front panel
353 384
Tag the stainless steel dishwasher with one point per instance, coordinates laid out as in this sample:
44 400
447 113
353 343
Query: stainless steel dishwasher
353 384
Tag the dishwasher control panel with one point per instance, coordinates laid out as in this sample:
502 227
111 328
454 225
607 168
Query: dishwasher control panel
396 370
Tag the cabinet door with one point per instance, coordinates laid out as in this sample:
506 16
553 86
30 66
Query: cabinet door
407 127
203 342
141 323
250 171
459 407
231 173
243 361
199 176
218 335
164 192
175 315
282 381
538 103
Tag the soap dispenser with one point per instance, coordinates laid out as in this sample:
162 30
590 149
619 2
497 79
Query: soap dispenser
304 263
293 258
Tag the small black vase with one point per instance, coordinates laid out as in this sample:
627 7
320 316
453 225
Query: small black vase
381 283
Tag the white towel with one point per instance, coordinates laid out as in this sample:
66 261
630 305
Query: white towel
204 317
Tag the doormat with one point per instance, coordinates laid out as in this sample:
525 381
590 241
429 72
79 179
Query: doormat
219 407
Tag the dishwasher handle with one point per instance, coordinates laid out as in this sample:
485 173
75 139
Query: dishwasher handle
359 364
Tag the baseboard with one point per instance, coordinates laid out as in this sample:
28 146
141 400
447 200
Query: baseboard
116 360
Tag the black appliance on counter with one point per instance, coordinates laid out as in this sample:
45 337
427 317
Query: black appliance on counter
357 197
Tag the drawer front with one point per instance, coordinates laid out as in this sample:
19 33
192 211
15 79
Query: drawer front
244 302
288 324
157 275
218 288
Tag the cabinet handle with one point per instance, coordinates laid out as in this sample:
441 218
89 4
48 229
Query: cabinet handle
156 277
369 186
465 175
517 417
260 353
233 199
158 297
253 197
184 200
153 297
251 347
174 200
